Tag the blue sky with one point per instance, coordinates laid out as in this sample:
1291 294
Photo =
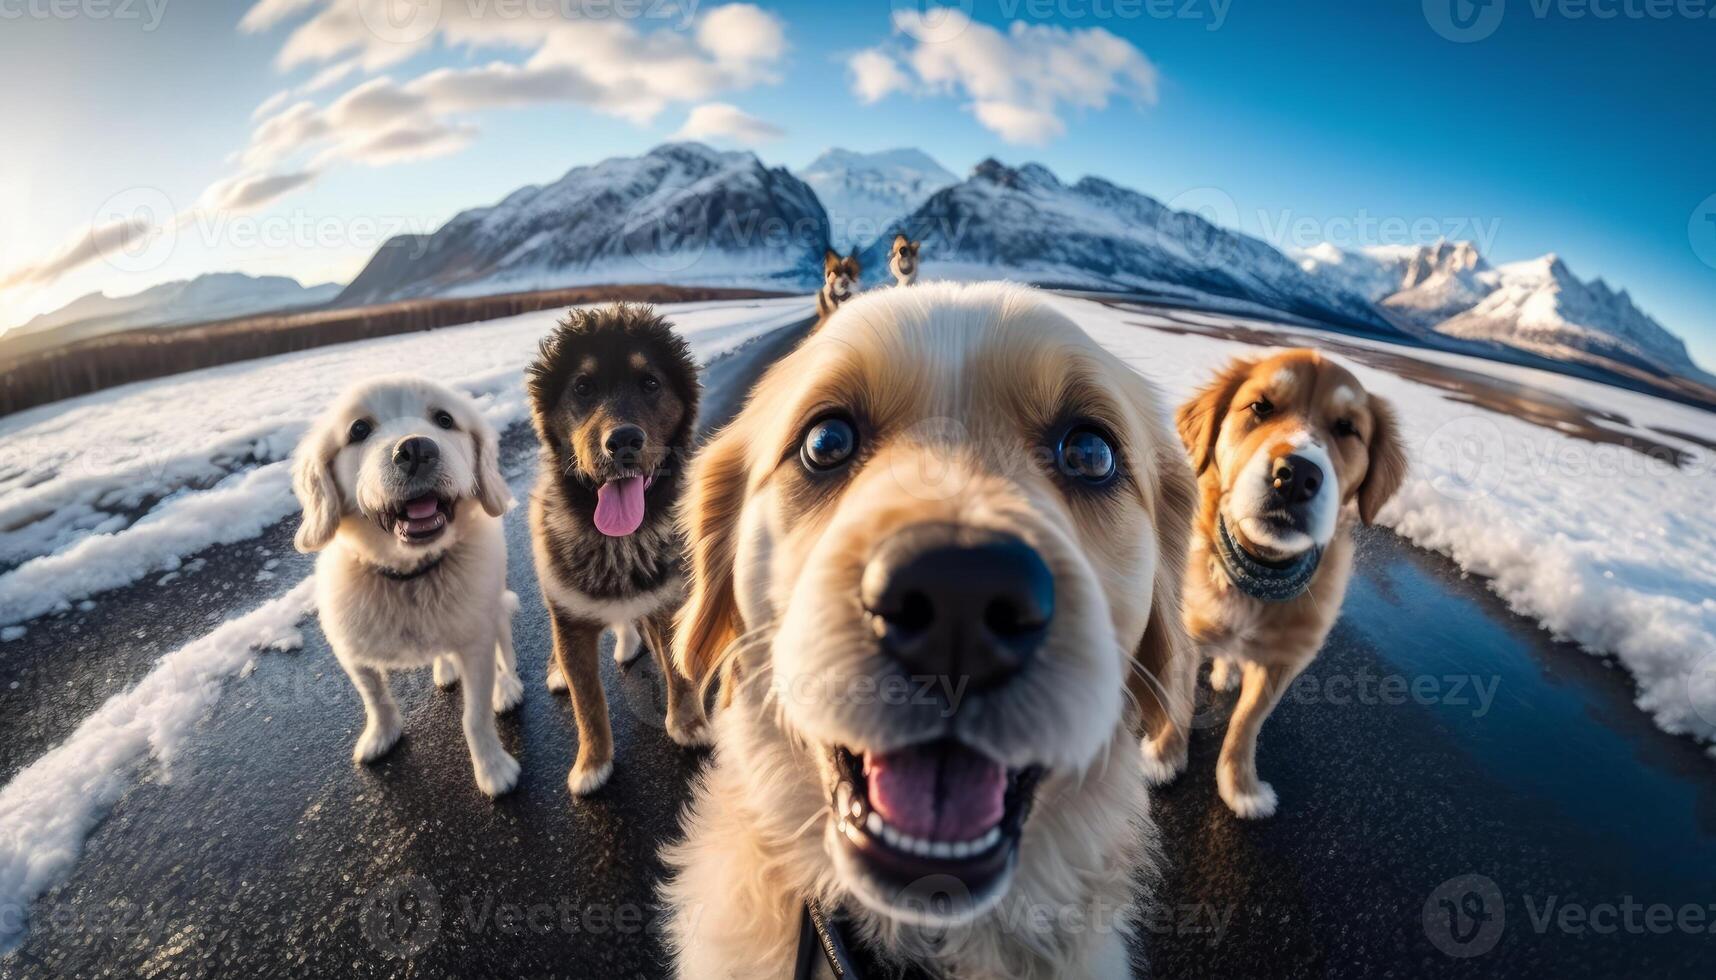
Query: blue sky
1556 129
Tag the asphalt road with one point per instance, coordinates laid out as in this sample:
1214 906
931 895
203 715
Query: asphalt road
1459 795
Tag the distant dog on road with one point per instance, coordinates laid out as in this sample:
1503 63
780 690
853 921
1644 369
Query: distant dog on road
613 395
839 280
903 260
1281 446
402 493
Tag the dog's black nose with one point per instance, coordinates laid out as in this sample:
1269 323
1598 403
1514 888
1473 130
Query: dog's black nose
415 453
1295 479
625 439
970 606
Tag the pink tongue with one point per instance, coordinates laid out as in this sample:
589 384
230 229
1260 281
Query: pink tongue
620 506
939 793
424 506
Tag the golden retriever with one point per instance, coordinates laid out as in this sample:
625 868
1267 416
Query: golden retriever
402 493
1288 450
924 559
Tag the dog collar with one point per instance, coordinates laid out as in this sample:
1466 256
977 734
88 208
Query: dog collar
1265 581
823 934
395 575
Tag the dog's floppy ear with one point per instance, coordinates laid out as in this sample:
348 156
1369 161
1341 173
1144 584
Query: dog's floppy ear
313 482
1166 647
830 261
709 622
1387 461
901 242
492 491
1199 420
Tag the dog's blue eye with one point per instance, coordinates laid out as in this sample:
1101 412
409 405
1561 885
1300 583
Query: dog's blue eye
828 443
360 430
1086 454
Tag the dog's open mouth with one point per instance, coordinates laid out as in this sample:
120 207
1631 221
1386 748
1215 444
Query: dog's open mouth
620 505
910 816
419 520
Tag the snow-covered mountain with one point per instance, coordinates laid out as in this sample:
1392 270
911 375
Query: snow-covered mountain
681 213
1024 223
866 193
215 296
1537 305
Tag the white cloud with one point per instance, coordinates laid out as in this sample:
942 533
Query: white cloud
876 75
248 192
1020 83
676 54
97 242
720 121
1019 124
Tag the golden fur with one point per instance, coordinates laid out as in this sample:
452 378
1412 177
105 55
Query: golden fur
1257 409
956 388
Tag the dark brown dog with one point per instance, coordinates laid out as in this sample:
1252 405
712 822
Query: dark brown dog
839 281
613 396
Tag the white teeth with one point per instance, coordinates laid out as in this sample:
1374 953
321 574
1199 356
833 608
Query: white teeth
941 850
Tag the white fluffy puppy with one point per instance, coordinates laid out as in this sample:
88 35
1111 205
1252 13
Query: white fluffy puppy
402 493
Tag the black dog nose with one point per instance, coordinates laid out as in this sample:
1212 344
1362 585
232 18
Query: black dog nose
415 453
1295 479
953 603
625 439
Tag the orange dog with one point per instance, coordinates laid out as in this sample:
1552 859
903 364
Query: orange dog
1281 447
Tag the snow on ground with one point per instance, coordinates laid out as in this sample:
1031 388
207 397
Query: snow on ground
103 490
1602 545
48 810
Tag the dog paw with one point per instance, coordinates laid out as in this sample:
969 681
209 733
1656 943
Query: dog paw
1224 675
446 672
628 645
509 692
497 774
586 779
1161 767
692 734
556 680
1255 803
377 739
